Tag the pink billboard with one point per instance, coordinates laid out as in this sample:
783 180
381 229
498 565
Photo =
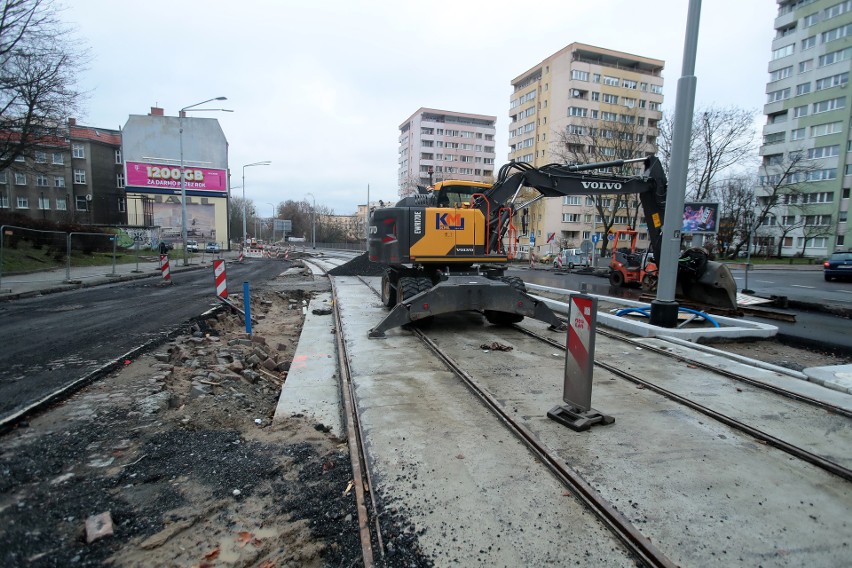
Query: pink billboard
158 176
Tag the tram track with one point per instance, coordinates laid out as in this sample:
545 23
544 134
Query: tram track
637 543
756 433
577 481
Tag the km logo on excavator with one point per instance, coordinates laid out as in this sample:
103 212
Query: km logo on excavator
449 221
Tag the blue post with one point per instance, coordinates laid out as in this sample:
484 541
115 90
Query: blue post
247 306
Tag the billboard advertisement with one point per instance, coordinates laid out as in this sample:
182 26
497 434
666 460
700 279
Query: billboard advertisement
700 218
164 178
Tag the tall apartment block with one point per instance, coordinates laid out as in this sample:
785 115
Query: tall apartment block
807 131
439 144
593 98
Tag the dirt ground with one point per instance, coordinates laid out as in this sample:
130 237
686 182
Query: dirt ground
178 450
178 455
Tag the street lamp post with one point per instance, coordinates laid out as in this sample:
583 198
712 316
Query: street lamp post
749 219
182 169
314 220
263 163
272 220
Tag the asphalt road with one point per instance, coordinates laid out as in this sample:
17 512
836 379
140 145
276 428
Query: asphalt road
53 340
811 328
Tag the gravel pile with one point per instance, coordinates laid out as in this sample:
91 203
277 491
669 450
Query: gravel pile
359 266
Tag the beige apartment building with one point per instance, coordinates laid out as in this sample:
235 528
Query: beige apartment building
583 104
440 144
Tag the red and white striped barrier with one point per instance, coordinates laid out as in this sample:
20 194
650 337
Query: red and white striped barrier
219 277
241 257
164 268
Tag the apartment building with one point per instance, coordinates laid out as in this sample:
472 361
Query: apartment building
73 174
439 144
583 104
806 169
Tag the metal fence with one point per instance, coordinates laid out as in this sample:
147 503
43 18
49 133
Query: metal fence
53 254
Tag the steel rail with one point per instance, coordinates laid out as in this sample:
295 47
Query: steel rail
614 520
791 449
362 481
734 376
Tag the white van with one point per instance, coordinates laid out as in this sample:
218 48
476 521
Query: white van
571 258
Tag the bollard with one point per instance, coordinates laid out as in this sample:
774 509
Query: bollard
220 279
247 307
164 268
578 414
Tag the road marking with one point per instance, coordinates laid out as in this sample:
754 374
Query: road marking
767 281
846 291
800 286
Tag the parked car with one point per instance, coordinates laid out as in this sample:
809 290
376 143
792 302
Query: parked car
191 246
571 259
213 247
838 265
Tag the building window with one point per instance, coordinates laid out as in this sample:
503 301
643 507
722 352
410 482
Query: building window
4 202
44 203
571 200
20 178
58 158
596 78
779 95
80 176
59 181
610 99
824 152
802 89
830 104
78 151
611 81
122 205
578 75
826 129
61 205
23 202
810 19
833 81
118 155
779 74
80 203
805 66
657 89
577 111
800 111
808 42
834 57
783 51
837 9
41 180
41 157
119 180
836 33
570 217
3 177
628 84
797 134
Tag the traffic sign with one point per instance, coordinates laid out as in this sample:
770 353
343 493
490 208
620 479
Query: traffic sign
595 238
586 247
610 237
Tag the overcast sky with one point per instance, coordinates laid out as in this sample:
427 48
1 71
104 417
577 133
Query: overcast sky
320 88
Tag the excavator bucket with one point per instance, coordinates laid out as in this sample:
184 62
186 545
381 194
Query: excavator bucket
715 287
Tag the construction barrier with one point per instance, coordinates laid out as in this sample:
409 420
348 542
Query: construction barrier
164 268
219 277
241 257
578 413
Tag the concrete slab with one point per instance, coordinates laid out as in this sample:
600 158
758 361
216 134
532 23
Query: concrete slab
440 457
312 386
837 377
729 327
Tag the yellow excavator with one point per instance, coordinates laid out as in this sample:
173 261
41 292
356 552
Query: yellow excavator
446 249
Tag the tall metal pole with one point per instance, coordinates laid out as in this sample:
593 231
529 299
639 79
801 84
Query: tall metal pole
263 163
182 190
313 221
664 308
183 173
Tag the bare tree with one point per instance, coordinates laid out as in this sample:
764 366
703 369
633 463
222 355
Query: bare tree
591 140
781 187
721 138
38 65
